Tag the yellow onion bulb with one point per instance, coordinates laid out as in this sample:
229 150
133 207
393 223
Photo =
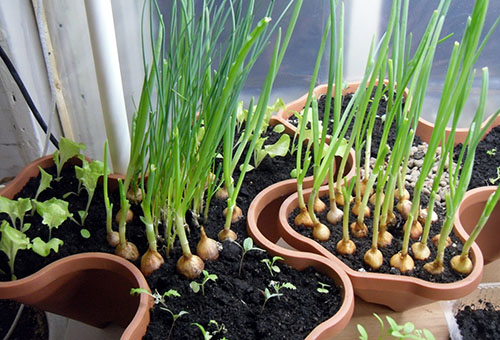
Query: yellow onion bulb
190 266
128 251
207 248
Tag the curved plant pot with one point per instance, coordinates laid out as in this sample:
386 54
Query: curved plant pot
93 288
262 222
395 291
425 128
470 210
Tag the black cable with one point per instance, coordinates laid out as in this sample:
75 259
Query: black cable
26 96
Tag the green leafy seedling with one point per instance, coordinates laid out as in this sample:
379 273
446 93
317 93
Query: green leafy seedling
491 152
12 241
54 212
195 286
273 268
494 180
160 299
16 209
322 288
280 148
67 150
396 331
268 294
207 335
45 180
247 246
88 174
43 248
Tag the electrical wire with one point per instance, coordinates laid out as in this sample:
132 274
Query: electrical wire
27 96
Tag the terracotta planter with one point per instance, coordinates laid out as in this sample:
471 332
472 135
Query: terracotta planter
262 222
425 128
93 288
470 210
397 292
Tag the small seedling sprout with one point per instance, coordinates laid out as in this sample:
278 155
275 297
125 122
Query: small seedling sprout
494 180
322 288
207 335
88 174
247 246
45 179
160 299
268 294
491 152
54 212
195 286
396 331
270 263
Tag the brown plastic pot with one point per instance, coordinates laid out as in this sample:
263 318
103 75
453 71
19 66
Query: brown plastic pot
470 210
398 292
262 226
93 288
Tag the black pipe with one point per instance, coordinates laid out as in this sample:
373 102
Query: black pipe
27 96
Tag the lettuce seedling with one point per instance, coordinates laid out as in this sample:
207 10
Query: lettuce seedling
277 287
88 175
43 248
54 212
280 148
273 268
67 150
160 299
195 286
16 210
322 288
45 179
12 241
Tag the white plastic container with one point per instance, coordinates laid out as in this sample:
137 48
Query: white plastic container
484 293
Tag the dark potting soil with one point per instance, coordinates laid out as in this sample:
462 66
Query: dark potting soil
486 170
239 310
32 324
479 323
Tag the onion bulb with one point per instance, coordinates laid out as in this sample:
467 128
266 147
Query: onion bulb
128 251
384 238
362 187
319 205
405 196
461 264
113 238
357 207
435 267
134 195
404 208
422 217
237 214
321 232
303 218
373 198
227 235
151 261
374 258
128 218
207 248
436 238
221 194
191 266
359 230
346 247
420 251
403 262
416 229
334 216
